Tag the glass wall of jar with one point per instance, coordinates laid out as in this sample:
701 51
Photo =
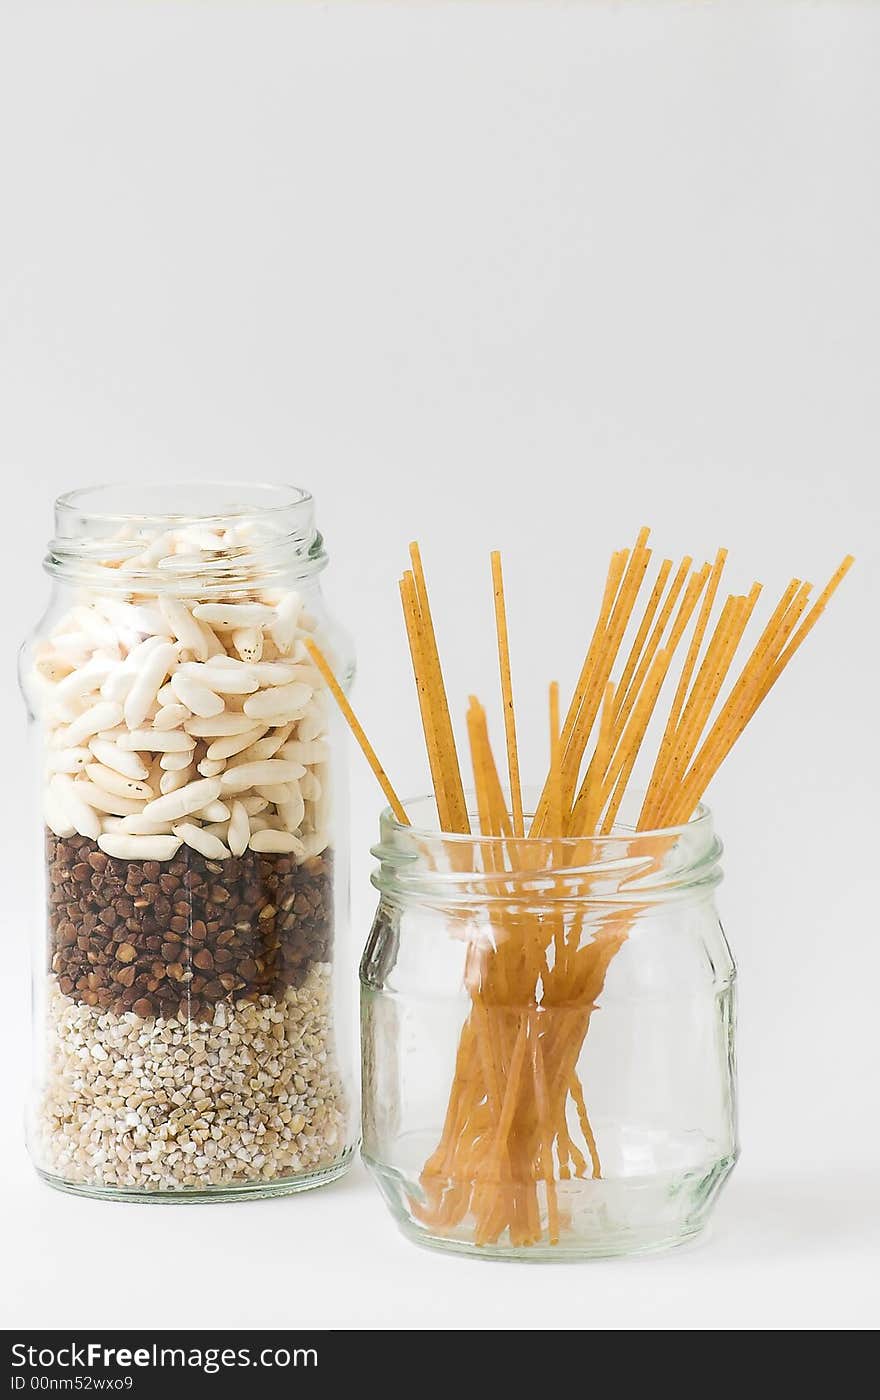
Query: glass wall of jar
548 1039
191 1032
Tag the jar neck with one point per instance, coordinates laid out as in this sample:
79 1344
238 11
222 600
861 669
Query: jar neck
190 539
418 864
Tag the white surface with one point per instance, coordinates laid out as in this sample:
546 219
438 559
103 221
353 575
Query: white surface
784 1253
490 274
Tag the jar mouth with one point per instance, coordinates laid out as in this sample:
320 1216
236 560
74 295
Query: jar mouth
421 862
199 536
197 503
424 828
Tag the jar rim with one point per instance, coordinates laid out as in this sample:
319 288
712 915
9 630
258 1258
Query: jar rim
72 503
105 536
423 864
701 820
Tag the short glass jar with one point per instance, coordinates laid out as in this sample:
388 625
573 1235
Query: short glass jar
191 1027
585 1111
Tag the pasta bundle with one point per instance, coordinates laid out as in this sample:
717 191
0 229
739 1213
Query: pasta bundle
517 1121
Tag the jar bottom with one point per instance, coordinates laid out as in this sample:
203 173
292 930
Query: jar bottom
603 1219
194 1195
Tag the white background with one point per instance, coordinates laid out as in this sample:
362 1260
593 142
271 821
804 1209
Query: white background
489 274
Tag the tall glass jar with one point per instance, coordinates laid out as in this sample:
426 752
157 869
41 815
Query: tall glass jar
191 1032
548 1039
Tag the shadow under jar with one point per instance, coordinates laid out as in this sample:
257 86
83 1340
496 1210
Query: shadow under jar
548 1039
190 1029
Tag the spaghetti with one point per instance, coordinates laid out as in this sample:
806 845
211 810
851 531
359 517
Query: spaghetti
516 1105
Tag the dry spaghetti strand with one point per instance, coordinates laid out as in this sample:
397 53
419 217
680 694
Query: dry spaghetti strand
597 642
645 661
710 679
575 745
669 734
810 620
430 659
588 808
421 674
648 616
507 694
584 816
768 645
354 725
763 684
631 739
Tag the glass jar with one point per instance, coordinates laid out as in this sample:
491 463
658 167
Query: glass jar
191 1032
548 1039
